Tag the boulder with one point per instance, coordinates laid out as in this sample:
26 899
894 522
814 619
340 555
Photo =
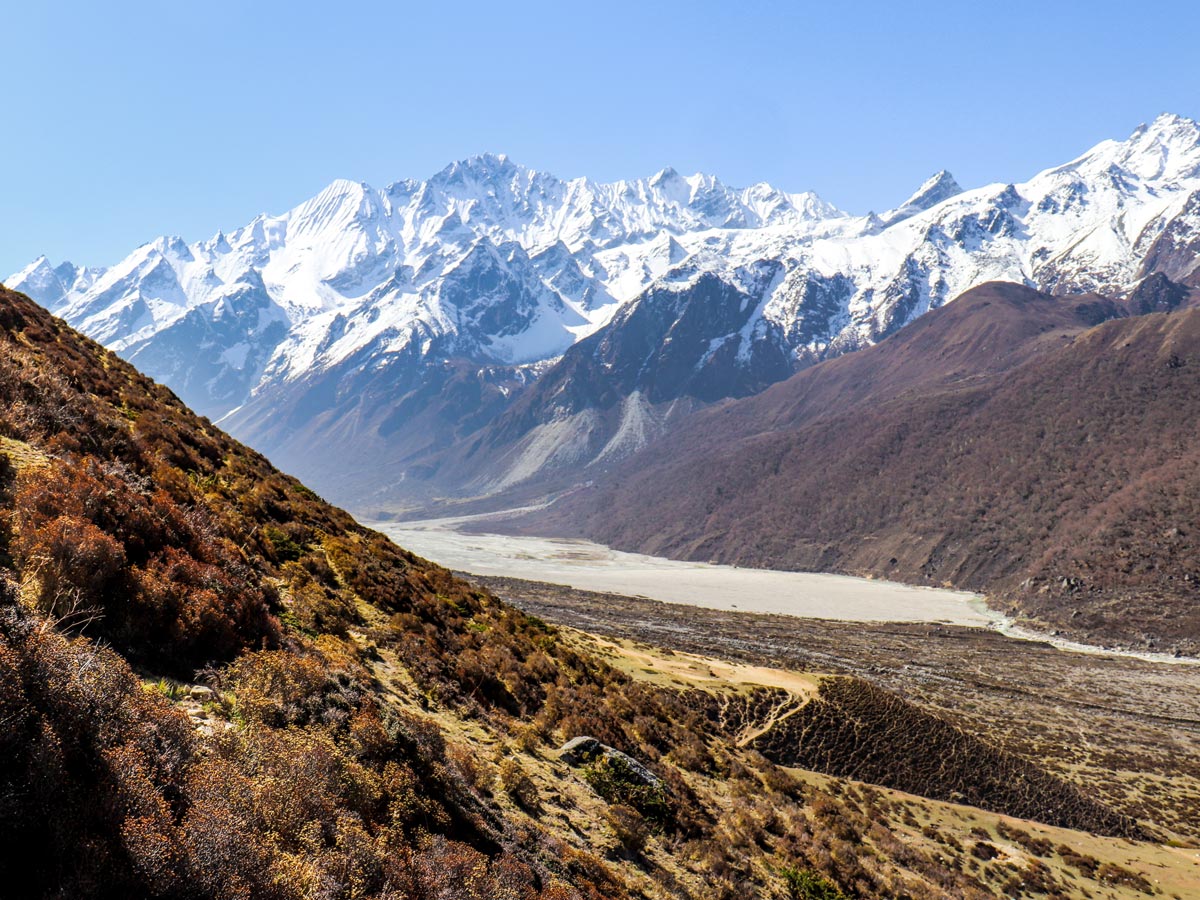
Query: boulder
579 751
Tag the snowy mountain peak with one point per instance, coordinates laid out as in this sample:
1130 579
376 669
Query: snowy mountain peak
1161 153
1168 149
1168 122
484 167
40 281
665 176
218 243
40 265
340 203
51 285
937 188
171 245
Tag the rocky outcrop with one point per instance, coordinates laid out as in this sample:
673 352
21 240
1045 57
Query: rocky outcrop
584 750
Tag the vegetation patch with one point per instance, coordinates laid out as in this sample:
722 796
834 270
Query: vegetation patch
805 884
618 783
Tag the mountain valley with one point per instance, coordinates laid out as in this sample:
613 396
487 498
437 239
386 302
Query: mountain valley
216 684
998 444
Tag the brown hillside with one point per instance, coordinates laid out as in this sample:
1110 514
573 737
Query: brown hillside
858 731
641 353
998 444
213 684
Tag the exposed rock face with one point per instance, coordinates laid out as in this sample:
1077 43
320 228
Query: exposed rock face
580 751
1175 253
1157 293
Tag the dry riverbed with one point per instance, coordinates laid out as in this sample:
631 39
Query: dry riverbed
1125 727
594 567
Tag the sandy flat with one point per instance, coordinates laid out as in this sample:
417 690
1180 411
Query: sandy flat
594 567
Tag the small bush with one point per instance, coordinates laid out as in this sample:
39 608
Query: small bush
518 785
985 851
284 547
805 884
629 827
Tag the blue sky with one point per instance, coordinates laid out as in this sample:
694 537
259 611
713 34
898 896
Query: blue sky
127 120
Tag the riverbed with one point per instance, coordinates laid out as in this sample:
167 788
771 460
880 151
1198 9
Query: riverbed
594 567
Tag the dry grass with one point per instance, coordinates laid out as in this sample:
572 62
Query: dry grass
1123 730
1171 871
667 668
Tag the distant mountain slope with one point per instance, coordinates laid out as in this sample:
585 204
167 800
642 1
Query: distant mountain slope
369 330
648 371
718 326
1006 443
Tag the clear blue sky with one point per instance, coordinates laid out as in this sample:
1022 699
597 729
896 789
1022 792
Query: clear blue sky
126 120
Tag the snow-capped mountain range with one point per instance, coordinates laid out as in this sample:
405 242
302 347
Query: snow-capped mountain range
369 325
486 259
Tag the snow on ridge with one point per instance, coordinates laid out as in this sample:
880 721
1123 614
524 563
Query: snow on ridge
357 270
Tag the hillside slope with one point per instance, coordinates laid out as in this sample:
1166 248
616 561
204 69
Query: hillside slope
1000 444
213 684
